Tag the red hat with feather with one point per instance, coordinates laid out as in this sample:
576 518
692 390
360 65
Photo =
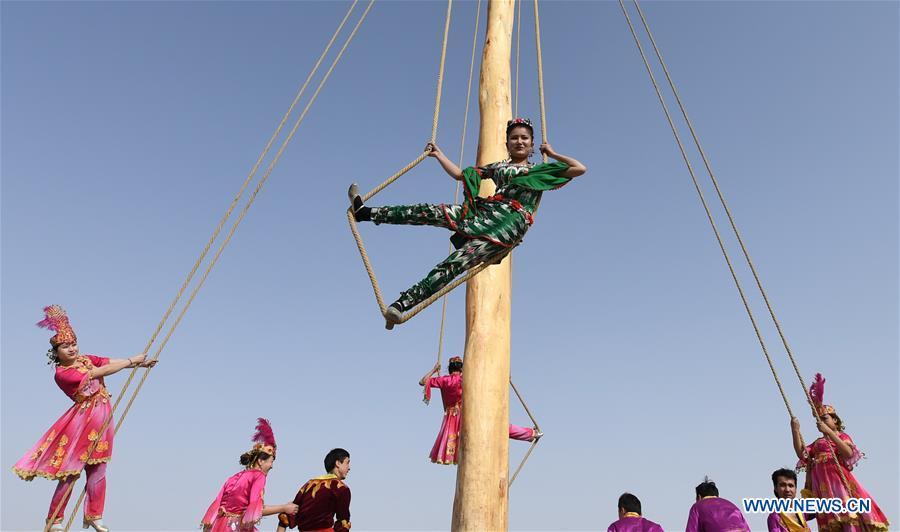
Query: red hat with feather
56 320
817 395
264 438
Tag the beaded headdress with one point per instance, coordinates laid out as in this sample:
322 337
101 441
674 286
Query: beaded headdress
56 320
519 122
264 438
455 359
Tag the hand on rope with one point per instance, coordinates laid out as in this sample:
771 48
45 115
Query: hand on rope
140 361
432 150
547 151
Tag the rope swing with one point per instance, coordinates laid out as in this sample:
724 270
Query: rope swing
354 229
222 246
731 220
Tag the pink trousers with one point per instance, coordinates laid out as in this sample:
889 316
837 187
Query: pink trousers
96 494
520 433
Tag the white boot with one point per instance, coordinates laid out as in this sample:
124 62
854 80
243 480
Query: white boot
96 524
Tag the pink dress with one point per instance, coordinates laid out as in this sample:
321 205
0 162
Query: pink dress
239 504
826 483
62 450
444 450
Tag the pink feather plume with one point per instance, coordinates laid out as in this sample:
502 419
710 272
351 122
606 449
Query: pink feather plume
54 316
264 432
817 390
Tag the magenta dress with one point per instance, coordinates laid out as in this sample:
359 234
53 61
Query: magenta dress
826 482
62 450
445 449
239 504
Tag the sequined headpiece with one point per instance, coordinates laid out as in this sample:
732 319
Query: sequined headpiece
56 320
264 438
817 395
519 122
457 360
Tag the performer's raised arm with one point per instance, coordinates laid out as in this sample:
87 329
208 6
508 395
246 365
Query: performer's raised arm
576 168
435 369
448 165
799 448
116 365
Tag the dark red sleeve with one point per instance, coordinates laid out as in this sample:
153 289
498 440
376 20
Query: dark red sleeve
342 510
290 521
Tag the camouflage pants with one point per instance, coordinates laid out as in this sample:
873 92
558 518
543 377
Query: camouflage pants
472 253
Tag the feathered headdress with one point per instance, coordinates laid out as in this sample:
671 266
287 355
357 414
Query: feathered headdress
817 395
264 438
56 320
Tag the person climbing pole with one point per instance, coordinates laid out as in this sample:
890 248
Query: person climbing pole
445 450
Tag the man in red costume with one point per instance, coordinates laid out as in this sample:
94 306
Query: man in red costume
324 501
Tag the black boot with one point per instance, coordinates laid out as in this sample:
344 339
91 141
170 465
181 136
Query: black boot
361 213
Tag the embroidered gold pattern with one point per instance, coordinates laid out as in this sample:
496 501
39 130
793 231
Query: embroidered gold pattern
60 451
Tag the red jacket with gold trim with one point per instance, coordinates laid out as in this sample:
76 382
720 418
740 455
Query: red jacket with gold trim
324 503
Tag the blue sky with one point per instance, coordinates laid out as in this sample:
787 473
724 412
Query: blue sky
128 126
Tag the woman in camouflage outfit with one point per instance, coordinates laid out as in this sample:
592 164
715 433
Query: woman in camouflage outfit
484 228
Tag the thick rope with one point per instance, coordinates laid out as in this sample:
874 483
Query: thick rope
540 69
731 220
721 197
462 148
354 229
533 443
518 40
440 80
709 214
234 227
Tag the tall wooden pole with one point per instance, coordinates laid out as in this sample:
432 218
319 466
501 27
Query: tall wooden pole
481 500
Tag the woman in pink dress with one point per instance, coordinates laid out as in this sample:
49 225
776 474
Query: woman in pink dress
824 473
239 505
445 450
62 452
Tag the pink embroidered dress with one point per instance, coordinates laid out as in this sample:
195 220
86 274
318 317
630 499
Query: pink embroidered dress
62 450
444 450
239 504
819 463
